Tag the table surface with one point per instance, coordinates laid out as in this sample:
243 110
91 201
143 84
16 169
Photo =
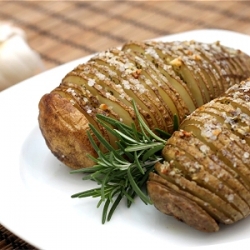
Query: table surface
63 31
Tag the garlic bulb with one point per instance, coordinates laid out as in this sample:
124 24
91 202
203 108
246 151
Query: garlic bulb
17 60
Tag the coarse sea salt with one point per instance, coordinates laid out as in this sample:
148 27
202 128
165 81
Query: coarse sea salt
151 51
211 131
246 155
206 179
100 76
126 84
204 149
91 82
230 197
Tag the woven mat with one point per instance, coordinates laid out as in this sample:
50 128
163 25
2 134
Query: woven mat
64 31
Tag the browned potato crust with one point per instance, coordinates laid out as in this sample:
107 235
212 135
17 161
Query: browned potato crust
64 129
173 203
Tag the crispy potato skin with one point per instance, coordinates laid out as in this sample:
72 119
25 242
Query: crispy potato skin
65 128
171 203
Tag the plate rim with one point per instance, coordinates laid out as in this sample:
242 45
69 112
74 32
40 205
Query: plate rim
62 68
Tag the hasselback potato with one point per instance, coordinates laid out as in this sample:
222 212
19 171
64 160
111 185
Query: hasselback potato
164 80
205 178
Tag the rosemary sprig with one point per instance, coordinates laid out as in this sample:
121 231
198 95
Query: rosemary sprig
122 172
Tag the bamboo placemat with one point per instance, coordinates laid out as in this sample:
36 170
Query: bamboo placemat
64 31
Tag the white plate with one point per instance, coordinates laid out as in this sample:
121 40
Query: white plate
35 188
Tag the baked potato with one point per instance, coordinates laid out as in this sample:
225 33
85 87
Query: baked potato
205 177
164 80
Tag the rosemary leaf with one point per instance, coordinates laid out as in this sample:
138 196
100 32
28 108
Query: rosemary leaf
101 139
136 133
138 164
112 121
152 151
105 211
114 206
104 182
125 130
87 170
99 203
87 193
108 127
143 146
115 189
123 147
145 126
176 123
143 197
92 141
162 134
130 195
124 136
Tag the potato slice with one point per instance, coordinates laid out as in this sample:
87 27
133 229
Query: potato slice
193 171
198 166
110 84
90 73
226 134
213 212
208 62
241 93
98 88
169 95
241 61
142 75
148 78
233 119
227 68
217 168
86 104
176 203
107 104
102 75
236 102
225 63
197 65
114 87
184 66
194 52
223 60
170 171
139 49
213 137
124 69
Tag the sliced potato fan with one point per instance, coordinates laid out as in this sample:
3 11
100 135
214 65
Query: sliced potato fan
204 178
164 79
208 160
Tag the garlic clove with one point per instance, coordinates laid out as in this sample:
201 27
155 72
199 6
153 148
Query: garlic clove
7 30
17 60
